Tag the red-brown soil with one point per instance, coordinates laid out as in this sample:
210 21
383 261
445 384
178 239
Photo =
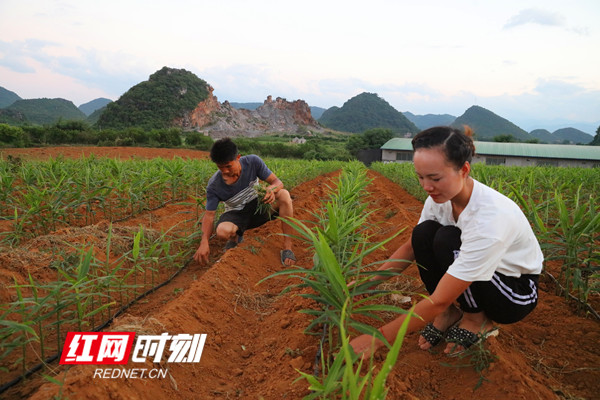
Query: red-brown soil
43 153
255 336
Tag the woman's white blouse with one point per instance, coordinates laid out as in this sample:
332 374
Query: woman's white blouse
496 236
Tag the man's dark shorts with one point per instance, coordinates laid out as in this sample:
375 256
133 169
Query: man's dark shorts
247 218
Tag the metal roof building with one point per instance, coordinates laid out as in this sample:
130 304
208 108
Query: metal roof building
499 153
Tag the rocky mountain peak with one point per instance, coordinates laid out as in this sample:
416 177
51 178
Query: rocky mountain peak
222 119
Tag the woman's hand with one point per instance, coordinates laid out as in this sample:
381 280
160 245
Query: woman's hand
365 345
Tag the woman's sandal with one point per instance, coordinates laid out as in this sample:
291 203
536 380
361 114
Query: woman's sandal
465 338
432 335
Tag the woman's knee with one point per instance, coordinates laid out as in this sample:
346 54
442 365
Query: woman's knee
426 230
447 240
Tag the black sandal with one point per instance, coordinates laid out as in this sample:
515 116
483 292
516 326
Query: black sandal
466 338
462 337
287 254
432 335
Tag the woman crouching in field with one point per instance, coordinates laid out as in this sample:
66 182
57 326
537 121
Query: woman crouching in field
475 250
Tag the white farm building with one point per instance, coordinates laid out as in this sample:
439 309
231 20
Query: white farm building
519 154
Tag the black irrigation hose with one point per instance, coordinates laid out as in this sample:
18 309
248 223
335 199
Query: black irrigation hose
319 353
48 360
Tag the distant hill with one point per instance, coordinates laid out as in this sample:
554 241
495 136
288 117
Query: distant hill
366 111
543 135
564 135
429 120
572 135
168 94
246 106
486 125
7 97
95 116
317 112
47 111
90 107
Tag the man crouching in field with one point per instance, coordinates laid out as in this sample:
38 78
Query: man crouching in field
234 184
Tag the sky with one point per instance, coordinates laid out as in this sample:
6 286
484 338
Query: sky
535 63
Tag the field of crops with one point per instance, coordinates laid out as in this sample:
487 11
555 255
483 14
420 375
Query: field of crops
102 243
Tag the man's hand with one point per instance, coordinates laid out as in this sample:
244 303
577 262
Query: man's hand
269 195
202 253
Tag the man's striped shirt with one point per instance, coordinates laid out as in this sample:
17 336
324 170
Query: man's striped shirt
236 196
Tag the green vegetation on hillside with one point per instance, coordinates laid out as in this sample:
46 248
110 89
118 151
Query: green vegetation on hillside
543 135
47 111
486 125
7 97
572 135
366 111
12 117
563 136
153 104
93 118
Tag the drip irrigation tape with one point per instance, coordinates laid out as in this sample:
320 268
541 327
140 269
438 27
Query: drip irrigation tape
319 353
120 311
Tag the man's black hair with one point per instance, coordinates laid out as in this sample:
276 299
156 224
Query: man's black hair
223 151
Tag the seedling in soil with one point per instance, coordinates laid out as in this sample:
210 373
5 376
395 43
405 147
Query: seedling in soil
342 380
341 242
476 356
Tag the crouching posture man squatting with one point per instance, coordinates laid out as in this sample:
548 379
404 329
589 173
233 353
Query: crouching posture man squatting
234 184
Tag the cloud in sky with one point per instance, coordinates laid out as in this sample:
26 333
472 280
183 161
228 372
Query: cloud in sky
100 70
536 16
542 17
15 55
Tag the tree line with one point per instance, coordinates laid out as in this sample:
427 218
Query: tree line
81 133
